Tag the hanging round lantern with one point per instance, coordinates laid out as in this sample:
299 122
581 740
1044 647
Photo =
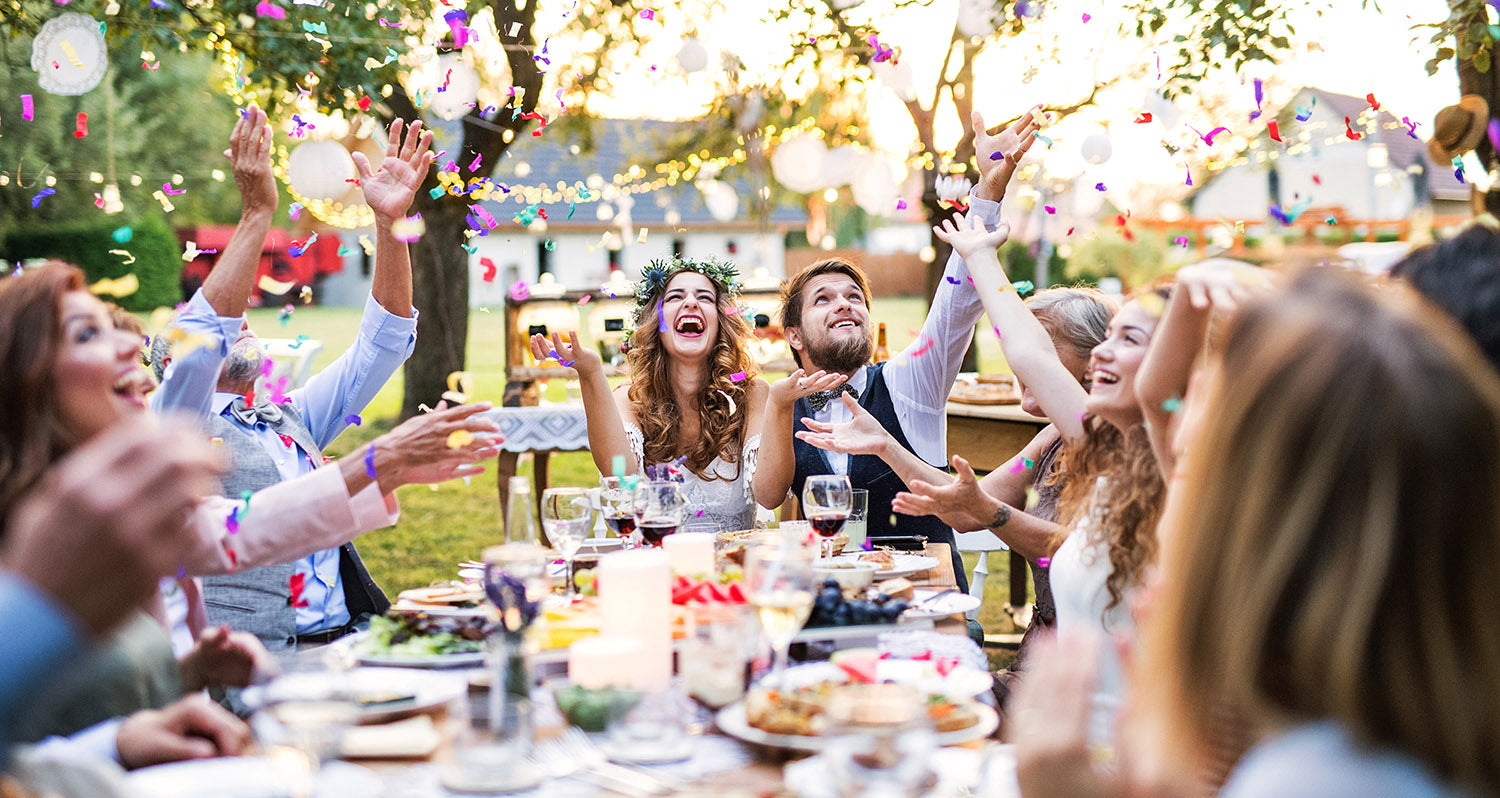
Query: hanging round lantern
838 167
1096 149
874 186
798 161
722 200
462 87
693 56
320 170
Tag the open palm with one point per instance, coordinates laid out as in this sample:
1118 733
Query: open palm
999 154
390 190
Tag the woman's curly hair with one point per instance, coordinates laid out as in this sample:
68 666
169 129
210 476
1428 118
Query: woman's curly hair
1133 504
722 405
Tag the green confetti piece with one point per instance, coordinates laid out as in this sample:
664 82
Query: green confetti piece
1172 405
617 465
1043 139
549 245
435 193
1023 286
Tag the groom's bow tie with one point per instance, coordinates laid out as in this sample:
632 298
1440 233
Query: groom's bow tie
817 400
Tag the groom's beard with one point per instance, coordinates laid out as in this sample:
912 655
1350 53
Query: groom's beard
244 361
838 355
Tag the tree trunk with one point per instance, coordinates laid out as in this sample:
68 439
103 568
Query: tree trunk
1487 85
440 290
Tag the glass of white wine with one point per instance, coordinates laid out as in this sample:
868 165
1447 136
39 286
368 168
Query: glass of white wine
567 515
780 583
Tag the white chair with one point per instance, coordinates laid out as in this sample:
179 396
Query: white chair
984 542
294 359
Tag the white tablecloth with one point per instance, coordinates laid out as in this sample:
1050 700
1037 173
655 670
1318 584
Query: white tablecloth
529 429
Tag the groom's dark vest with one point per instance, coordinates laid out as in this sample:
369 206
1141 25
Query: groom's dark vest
258 600
872 474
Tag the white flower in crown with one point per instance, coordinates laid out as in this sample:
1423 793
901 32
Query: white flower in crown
953 188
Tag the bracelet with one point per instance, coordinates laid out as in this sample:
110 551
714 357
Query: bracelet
1002 517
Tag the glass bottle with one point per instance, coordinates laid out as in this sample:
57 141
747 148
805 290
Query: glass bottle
882 352
520 513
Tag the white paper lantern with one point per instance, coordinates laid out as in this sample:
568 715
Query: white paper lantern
875 186
797 163
693 56
320 170
897 77
976 17
722 200
463 87
1096 149
838 166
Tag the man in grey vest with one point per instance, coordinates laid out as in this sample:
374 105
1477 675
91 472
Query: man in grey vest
273 436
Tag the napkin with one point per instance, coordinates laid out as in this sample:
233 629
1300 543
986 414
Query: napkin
415 737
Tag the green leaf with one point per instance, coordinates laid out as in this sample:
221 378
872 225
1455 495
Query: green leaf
1482 60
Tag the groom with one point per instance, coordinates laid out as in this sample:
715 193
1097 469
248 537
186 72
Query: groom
825 312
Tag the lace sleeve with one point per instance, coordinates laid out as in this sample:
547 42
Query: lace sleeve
747 463
638 444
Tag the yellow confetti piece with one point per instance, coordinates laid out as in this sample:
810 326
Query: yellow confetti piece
271 285
67 48
129 258
117 287
216 441
182 343
306 295
460 438
1152 304
166 204
408 230
641 239
1032 498
367 245
460 384
422 408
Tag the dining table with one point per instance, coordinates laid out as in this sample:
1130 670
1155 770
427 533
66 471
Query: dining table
720 765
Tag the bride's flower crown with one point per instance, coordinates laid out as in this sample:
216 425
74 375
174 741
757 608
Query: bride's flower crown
654 279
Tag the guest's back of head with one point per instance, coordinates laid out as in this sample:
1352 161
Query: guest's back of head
1462 276
1337 528
1078 317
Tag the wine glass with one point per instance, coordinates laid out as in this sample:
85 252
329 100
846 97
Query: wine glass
779 583
662 511
307 708
825 502
617 499
566 517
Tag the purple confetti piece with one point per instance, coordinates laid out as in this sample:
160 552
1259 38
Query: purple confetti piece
997 156
867 545
1259 96
1098 186
953 280
181 571
738 376
353 418
370 462
1494 133
661 321
232 523
266 366
36 201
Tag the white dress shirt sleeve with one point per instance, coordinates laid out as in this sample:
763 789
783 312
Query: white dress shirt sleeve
921 376
348 384
187 385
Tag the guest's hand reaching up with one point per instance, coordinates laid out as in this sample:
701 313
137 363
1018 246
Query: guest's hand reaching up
433 447
1222 283
250 153
862 434
787 390
569 353
968 236
1010 145
960 503
390 190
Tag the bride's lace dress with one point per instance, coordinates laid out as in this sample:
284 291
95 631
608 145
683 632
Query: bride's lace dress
727 502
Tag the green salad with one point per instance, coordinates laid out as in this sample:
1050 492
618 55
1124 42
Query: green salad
415 634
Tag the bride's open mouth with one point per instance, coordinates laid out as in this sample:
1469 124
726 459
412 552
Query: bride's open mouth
690 326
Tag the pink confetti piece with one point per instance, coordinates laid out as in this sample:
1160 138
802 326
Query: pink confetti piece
266 366
1019 465
278 395
1181 241
647 13
923 349
731 311
518 291
27 110
475 164
169 191
900 204
1050 209
489 269
1045 562
1086 18
585 299
265 9
484 216
738 376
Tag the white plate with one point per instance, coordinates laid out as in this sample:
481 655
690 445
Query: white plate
948 604
901 564
248 777
429 689
465 660
732 721
962 682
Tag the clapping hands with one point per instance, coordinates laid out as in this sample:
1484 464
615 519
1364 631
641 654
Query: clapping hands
390 190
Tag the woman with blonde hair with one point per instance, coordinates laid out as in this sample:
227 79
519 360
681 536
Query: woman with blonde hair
1330 585
693 405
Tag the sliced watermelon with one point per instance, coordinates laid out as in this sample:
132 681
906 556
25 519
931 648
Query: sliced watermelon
861 665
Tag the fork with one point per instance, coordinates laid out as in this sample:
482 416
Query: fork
577 744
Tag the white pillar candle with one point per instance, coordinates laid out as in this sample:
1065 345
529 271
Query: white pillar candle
690 553
599 662
635 599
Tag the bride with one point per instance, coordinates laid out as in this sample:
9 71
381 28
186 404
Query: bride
693 405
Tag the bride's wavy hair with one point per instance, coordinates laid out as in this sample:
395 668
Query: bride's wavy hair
723 412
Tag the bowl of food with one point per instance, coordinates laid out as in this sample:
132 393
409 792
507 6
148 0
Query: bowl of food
850 574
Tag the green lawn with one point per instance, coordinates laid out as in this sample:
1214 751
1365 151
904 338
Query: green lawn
445 524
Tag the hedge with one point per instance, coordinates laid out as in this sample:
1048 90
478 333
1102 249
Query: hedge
87 245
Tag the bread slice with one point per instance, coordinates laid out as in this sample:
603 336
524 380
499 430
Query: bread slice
898 589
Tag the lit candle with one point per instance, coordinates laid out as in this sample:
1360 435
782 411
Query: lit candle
690 553
596 662
635 599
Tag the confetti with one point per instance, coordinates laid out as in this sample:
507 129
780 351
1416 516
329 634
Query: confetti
36 201
1181 241
1189 175
1208 138
460 385
1050 209
266 366
27 110
1275 131
1023 286
297 344
295 586
1172 405
118 287
641 239
900 204
294 211
730 400
923 349
1043 139
647 13
1044 562
1411 127
1370 98
287 441
1144 118
954 280
460 438
1331 221
661 321
370 462
271 285
1259 98
315 27
1099 187
129 258
122 235
285 314
267 9
278 392
82 128
181 571
738 376
518 291
549 245
489 269
1020 464
585 299
1086 18
166 204
1349 131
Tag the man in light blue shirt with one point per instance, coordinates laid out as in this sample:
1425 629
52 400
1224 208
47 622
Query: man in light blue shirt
272 437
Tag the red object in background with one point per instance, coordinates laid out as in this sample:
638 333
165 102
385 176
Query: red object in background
276 260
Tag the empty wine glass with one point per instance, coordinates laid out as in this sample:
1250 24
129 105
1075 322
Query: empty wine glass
779 584
825 502
566 517
661 512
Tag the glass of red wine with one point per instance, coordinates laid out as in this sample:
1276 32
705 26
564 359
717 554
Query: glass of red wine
662 511
620 501
825 503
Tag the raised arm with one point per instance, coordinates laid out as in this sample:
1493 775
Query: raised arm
1214 284
389 193
606 426
777 464
229 284
1028 348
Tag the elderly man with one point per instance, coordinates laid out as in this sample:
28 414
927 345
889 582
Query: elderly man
273 437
